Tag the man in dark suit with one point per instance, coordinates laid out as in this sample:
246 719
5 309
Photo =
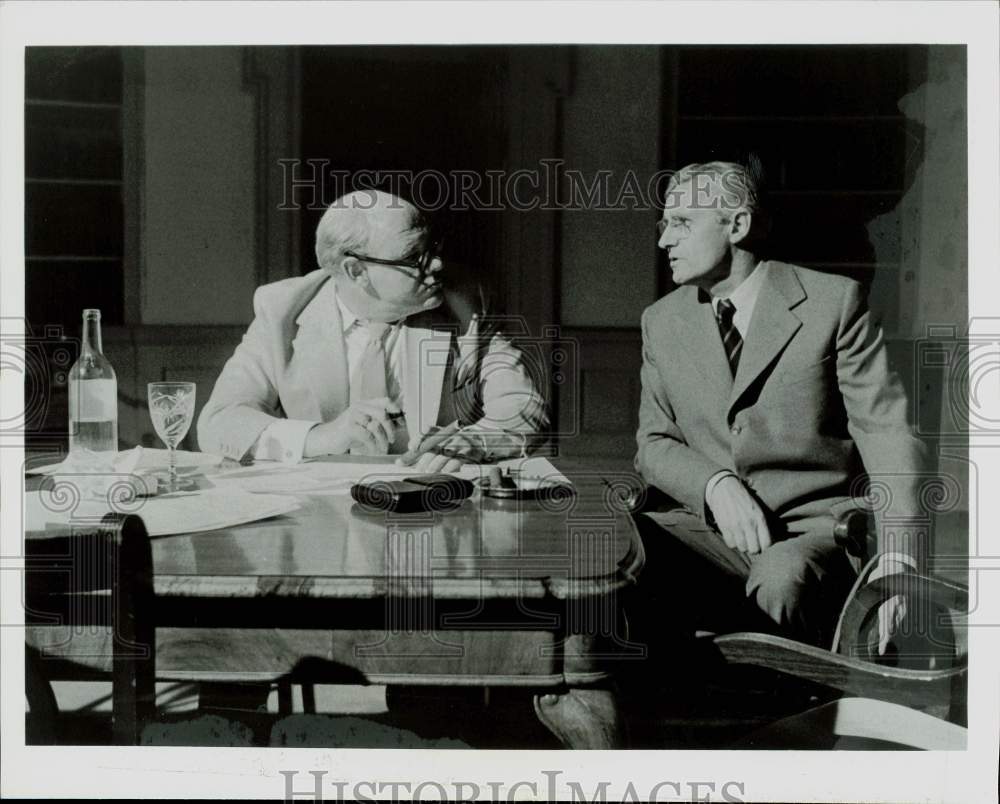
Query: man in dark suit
767 399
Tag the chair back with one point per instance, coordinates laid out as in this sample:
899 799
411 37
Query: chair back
929 652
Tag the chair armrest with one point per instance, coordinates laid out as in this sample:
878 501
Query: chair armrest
925 595
946 594
854 530
917 688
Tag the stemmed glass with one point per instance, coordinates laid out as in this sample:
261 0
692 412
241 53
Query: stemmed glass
171 407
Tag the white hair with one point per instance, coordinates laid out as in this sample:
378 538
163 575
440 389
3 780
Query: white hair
741 186
347 223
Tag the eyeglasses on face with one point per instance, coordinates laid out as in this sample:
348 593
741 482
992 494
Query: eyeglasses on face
680 225
421 265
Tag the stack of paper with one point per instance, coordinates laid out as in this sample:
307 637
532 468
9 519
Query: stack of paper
336 478
314 477
167 514
137 459
86 487
534 472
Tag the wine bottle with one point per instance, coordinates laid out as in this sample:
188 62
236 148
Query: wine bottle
93 393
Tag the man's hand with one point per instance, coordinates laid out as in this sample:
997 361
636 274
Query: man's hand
738 516
893 611
451 454
364 426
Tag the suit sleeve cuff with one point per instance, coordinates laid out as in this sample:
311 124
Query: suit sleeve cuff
283 440
713 481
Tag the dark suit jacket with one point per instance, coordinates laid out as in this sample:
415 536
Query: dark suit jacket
812 407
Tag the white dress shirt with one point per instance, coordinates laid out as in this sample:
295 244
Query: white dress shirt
284 440
744 299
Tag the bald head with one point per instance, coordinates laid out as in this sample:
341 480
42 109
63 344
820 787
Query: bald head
375 246
358 219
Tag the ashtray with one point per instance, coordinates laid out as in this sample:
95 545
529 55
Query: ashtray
509 485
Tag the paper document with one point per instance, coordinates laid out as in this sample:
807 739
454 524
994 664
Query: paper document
337 478
533 472
184 512
137 459
314 477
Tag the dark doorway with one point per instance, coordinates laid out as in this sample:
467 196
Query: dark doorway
431 112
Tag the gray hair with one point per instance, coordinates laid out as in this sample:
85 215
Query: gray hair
741 184
742 188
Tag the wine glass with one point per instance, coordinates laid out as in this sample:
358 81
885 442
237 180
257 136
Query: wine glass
171 407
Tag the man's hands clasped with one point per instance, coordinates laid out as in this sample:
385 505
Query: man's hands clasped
367 427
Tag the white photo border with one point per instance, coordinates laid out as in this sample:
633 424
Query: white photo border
771 776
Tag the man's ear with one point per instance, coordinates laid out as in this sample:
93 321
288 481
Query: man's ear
354 270
739 226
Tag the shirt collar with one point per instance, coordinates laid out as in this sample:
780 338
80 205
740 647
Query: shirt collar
745 296
347 318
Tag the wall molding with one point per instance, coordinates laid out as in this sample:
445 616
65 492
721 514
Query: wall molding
273 77
133 182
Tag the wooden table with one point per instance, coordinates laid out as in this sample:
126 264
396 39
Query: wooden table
495 593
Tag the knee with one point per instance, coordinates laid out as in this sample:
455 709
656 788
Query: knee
779 585
799 589
790 584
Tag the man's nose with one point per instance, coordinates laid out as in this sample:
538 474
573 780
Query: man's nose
667 241
436 264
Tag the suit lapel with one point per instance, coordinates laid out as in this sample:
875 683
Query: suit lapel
772 325
317 373
426 357
698 334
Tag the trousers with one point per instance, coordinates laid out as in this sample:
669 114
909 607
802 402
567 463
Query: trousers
795 588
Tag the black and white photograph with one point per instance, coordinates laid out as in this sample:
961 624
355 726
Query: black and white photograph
500 401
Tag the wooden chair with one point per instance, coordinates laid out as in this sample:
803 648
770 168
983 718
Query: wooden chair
916 696
91 578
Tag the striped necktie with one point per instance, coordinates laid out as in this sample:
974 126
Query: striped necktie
731 340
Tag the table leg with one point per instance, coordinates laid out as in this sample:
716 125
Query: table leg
583 717
41 700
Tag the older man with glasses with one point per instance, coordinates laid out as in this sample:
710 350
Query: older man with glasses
768 404
330 364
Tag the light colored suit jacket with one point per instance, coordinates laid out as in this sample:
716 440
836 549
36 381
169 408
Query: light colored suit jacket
292 364
813 405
